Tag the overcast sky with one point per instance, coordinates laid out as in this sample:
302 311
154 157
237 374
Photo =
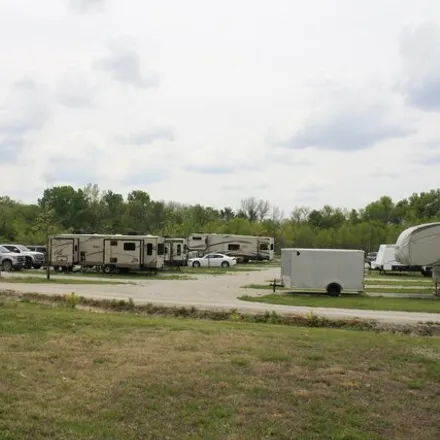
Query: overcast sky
299 102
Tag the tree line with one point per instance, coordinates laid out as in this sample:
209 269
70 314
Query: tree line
92 210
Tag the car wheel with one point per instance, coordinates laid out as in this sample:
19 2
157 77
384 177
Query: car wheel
7 266
196 264
225 264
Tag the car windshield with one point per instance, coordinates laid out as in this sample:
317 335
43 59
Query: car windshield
22 248
4 250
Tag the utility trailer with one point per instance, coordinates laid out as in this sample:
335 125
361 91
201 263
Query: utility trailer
420 245
386 261
111 253
176 252
331 270
243 247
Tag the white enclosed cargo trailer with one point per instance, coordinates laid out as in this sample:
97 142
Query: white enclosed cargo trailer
332 270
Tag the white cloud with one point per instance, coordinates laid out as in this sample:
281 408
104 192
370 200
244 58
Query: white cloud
420 51
182 99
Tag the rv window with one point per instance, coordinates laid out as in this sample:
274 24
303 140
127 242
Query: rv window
179 250
166 250
160 249
264 247
271 247
149 249
233 247
196 238
113 243
129 246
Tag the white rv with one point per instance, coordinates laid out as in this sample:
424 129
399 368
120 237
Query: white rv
386 260
332 270
420 245
243 247
176 252
112 253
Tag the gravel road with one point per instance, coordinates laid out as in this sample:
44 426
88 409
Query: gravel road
208 292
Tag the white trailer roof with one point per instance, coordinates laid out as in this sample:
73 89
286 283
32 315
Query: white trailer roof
419 245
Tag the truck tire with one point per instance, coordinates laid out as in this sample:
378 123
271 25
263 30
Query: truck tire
37 266
334 289
29 263
7 266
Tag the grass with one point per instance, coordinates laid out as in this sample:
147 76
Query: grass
419 290
44 280
69 374
409 283
429 305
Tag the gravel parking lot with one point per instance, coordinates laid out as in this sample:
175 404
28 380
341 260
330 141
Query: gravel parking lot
207 292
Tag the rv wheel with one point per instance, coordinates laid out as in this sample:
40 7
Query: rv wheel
225 264
108 269
333 289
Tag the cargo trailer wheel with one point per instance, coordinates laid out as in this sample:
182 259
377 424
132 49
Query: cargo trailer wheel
196 264
334 289
225 264
108 269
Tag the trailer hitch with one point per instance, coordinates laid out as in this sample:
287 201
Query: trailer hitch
274 284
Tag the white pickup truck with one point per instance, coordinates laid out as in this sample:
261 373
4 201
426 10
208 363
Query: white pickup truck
10 260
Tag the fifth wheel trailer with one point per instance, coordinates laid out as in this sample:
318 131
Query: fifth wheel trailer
243 247
420 245
332 270
111 252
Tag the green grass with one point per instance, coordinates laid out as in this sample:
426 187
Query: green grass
414 290
409 283
43 280
70 374
350 302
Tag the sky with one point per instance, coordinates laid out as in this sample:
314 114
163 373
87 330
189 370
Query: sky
302 103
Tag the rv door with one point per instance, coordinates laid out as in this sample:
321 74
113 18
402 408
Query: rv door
63 251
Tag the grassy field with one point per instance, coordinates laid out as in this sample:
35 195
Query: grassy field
429 304
70 374
43 280
388 289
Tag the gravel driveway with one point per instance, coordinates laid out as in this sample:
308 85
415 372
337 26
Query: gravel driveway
208 292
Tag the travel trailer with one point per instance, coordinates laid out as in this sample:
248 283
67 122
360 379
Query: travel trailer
112 253
386 260
176 252
420 245
243 247
331 270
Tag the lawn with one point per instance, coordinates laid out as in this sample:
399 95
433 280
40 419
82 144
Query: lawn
57 280
71 374
388 289
429 304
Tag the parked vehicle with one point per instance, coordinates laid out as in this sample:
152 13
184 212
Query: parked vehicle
243 247
112 253
11 260
176 251
420 245
33 259
332 270
212 260
386 261
371 256
37 248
